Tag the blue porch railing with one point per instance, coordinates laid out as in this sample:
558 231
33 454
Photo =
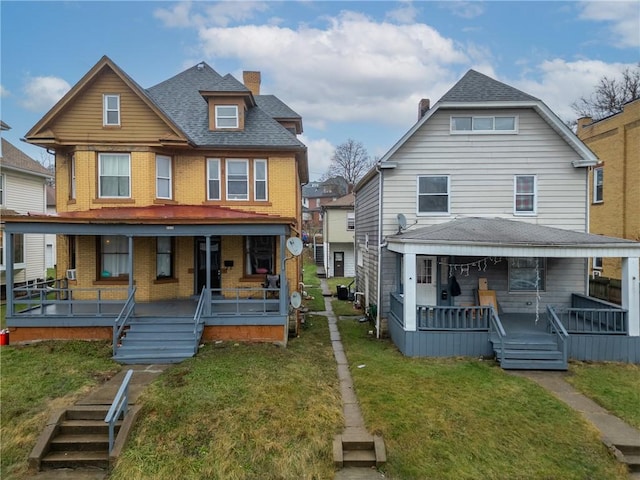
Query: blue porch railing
554 325
198 323
497 330
453 318
593 316
123 318
119 407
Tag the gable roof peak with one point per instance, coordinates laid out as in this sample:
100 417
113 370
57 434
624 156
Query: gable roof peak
476 87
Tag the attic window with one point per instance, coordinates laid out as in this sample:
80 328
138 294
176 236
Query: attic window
226 116
484 124
111 110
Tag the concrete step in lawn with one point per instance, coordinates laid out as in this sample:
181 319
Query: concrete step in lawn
358 450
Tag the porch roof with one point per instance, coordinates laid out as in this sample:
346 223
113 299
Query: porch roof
499 236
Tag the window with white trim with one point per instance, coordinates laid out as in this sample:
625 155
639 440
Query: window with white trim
484 124
164 257
227 116
260 255
527 274
163 176
111 110
524 195
433 194
114 175
598 184
2 189
213 179
114 256
237 176
260 180
351 221
597 263
18 250
72 177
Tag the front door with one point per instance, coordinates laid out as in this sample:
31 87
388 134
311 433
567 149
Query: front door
426 285
201 263
338 264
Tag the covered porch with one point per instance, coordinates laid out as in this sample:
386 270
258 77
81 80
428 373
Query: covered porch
548 305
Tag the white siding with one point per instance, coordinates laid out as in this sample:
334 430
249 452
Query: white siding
349 259
481 170
366 211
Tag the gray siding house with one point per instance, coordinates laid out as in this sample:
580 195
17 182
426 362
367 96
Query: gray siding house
338 225
472 237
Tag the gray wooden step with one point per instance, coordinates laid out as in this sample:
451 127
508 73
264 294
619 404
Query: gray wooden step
530 354
149 358
62 459
528 364
81 427
82 442
86 412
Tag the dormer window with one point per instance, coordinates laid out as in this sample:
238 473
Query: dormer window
227 116
111 110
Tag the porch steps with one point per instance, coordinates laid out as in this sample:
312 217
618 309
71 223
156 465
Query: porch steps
529 352
358 450
79 438
158 340
630 456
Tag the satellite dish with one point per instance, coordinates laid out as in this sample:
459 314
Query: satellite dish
296 300
402 221
294 245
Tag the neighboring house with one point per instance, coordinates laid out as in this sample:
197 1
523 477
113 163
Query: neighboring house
472 237
317 194
185 192
338 226
614 183
22 192
50 239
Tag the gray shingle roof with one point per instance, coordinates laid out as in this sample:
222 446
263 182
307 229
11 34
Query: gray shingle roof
15 158
506 232
476 87
276 107
179 97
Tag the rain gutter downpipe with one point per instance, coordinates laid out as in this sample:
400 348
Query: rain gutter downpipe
380 245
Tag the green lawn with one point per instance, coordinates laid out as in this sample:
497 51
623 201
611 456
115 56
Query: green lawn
468 419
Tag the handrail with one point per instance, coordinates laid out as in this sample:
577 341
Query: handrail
495 323
123 317
118 407
555 325
205 296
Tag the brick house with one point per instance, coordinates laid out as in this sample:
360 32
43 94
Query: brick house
182 196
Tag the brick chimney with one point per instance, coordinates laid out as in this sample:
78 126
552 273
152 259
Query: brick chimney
252 81
423 107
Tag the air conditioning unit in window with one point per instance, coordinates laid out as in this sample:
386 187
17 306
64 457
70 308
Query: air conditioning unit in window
596 273
71 274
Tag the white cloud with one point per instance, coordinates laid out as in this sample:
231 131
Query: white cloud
464 9
319 153
407 13
562 83
178 16
623 18
354 69
220 13
41 93
3 92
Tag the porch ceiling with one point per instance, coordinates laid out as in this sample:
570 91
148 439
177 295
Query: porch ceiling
499 236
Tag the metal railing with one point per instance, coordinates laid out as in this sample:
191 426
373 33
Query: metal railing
554 325
495 327
243 301
119 407
205 297
123 318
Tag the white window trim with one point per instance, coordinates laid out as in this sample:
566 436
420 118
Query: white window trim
100 155
21 265
595 263
226 178
170 177
236 117
255 180
484 132
351 216
3 190
105 109
595 185
72 173
535 196
217 163
433 214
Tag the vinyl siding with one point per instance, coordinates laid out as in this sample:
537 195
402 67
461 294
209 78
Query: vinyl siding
349 258
366 213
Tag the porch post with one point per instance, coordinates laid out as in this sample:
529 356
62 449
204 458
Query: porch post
8 273
631 293
283 276
207 246
409 281
130 264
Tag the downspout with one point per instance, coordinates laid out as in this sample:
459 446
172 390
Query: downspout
380 245
588 226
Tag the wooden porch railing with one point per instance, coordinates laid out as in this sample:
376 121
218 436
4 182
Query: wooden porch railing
453 318
554 325
593 316
198 323
496 328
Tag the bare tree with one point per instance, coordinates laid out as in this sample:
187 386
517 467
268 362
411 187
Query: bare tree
610 95
351 161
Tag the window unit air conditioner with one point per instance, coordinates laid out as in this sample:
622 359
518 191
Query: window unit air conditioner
596 273
71 274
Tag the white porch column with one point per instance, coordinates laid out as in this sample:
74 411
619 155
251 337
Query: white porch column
631 293
8 273
409 283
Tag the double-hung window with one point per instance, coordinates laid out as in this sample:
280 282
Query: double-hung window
72 177
163 176
260 180
433 195
213 179
2 189
526 274
237 173
115 175
114 256
111 110
164 257
524 195
598 181
227 116
18 250
260 255
351 221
